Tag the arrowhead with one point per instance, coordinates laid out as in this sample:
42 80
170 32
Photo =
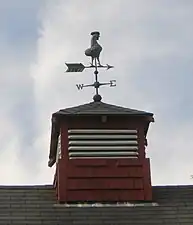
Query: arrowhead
109 66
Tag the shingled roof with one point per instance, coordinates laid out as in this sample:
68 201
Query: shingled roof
37 205
95 108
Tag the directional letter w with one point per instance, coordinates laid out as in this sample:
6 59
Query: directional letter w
80 86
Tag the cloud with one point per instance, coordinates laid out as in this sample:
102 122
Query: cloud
149 43
18 156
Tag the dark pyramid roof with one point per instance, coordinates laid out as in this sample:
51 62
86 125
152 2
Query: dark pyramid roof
95 108
37 205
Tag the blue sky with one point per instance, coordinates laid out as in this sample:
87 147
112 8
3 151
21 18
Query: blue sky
150 44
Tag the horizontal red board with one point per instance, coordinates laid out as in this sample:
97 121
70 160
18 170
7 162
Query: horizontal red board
105 195
103 162
138 183
81 172
102 183
130 162
88 162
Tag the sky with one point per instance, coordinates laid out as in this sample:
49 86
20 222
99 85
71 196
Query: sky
149 43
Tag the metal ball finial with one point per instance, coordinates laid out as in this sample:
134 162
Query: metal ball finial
97 98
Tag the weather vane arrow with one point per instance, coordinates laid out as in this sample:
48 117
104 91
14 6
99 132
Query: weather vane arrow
93 52
79 67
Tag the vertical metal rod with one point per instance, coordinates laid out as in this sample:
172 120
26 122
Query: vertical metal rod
96 75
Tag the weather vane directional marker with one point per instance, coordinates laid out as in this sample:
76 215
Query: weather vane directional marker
111 83
93 52
79 67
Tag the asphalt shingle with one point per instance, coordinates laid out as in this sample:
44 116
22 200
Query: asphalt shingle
100 108
37 205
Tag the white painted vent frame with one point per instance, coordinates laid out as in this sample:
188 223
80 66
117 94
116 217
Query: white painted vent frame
102 143
58 153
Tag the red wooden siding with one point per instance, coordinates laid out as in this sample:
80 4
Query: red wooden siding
104 179
105 195
124 179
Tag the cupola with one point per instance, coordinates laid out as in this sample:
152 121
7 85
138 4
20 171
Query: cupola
99 148
99 151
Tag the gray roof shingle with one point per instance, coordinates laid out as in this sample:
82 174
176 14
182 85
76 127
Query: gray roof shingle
95 108
37 205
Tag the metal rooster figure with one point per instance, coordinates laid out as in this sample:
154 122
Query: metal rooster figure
95 49
93 52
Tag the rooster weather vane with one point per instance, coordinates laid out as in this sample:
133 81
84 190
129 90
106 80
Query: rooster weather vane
93 52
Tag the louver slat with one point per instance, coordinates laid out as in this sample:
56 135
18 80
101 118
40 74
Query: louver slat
102 153
88 148
112 142
105 136
103 131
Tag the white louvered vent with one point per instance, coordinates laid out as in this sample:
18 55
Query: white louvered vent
58 154
95 143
